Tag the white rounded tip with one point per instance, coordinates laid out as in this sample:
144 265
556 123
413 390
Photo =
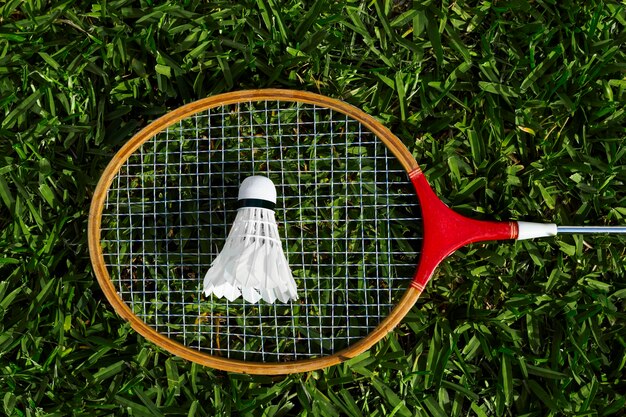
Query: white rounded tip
257 187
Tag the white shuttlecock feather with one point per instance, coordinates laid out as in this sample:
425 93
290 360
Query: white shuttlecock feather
252 263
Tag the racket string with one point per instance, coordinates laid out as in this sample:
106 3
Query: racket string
345 211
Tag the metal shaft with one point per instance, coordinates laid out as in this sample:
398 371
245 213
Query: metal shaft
591 229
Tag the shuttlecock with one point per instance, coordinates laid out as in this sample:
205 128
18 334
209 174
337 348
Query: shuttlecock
252 263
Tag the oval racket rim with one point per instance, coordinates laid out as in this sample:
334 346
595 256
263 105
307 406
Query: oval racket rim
394 144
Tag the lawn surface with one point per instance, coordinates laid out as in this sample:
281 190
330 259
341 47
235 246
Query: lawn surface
514 109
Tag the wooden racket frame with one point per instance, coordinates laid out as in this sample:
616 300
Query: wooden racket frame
444 231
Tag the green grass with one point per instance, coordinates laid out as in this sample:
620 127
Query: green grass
515 109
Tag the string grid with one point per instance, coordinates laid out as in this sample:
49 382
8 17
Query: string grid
346 211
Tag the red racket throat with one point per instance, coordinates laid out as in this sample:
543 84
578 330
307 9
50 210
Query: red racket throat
446 231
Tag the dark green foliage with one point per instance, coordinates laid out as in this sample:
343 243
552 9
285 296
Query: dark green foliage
515 109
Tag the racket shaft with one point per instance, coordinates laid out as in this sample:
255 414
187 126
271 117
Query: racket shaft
591 229
529 230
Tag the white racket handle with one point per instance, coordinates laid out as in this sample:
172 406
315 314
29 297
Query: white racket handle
528 230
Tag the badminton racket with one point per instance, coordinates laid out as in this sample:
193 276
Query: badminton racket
360 226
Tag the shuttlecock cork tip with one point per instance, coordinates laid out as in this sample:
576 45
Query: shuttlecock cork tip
257 191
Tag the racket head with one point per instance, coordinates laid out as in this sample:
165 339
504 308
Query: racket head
143 191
